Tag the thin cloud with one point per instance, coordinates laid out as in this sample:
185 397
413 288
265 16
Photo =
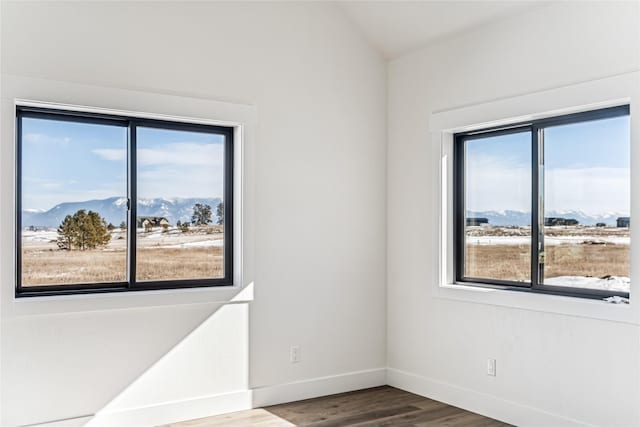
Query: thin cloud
498 185
182 154
52 185
200 181
111 154
41 138
43 194
180 169
45 201
174 154
592 190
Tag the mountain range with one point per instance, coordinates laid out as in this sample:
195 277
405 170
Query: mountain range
521 218
114 210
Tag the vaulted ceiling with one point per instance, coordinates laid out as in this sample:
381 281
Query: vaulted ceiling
398 27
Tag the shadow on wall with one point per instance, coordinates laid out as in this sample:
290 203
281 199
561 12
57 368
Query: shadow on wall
205 373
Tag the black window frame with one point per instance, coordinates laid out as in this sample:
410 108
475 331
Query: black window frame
130 123
536 128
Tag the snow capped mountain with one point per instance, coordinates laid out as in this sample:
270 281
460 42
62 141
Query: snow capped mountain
503 218
521 218
121 201
114 210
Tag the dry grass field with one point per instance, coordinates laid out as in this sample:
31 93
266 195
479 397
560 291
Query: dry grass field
502 262
47 267
511 262
491 252
502 253
189 263
174 255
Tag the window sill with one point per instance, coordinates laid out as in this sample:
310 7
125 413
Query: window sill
39 305
155 105
557 304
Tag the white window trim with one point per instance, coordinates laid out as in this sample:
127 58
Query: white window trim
586 96
18 90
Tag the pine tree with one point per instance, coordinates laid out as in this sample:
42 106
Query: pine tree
201 214
84 230
66 233
220 213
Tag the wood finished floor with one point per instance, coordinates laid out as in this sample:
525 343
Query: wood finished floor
376 407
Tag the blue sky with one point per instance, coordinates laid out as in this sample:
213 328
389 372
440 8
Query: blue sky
67 161
586 168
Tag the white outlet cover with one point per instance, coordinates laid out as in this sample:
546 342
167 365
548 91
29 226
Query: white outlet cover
294 354
491 367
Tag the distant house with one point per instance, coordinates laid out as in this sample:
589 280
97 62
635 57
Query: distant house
601 224
552 221
152 221
622 221
477 221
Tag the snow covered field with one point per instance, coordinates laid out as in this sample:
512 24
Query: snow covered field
161 255
611 283
596 258
575 256
156 239
548 241
558 235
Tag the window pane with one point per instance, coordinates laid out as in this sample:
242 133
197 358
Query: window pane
180 224
74 210
498 207
587 204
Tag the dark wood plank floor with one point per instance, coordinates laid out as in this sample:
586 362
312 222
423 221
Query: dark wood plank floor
376 407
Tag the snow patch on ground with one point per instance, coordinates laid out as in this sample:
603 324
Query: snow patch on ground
203 244
549 241
607 283
40 235
158 239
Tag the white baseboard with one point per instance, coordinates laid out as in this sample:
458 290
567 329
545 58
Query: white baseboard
171 412
481 403
237 401
471 400
316 387
69 422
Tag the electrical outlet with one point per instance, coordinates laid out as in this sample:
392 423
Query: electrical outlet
491 367
294 354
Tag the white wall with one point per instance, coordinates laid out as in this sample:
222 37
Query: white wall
554 367
319 212
319 208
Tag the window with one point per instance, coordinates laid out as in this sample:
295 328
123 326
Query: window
544 206
113 203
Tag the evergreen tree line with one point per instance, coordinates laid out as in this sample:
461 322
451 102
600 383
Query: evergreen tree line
88 230
83 230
